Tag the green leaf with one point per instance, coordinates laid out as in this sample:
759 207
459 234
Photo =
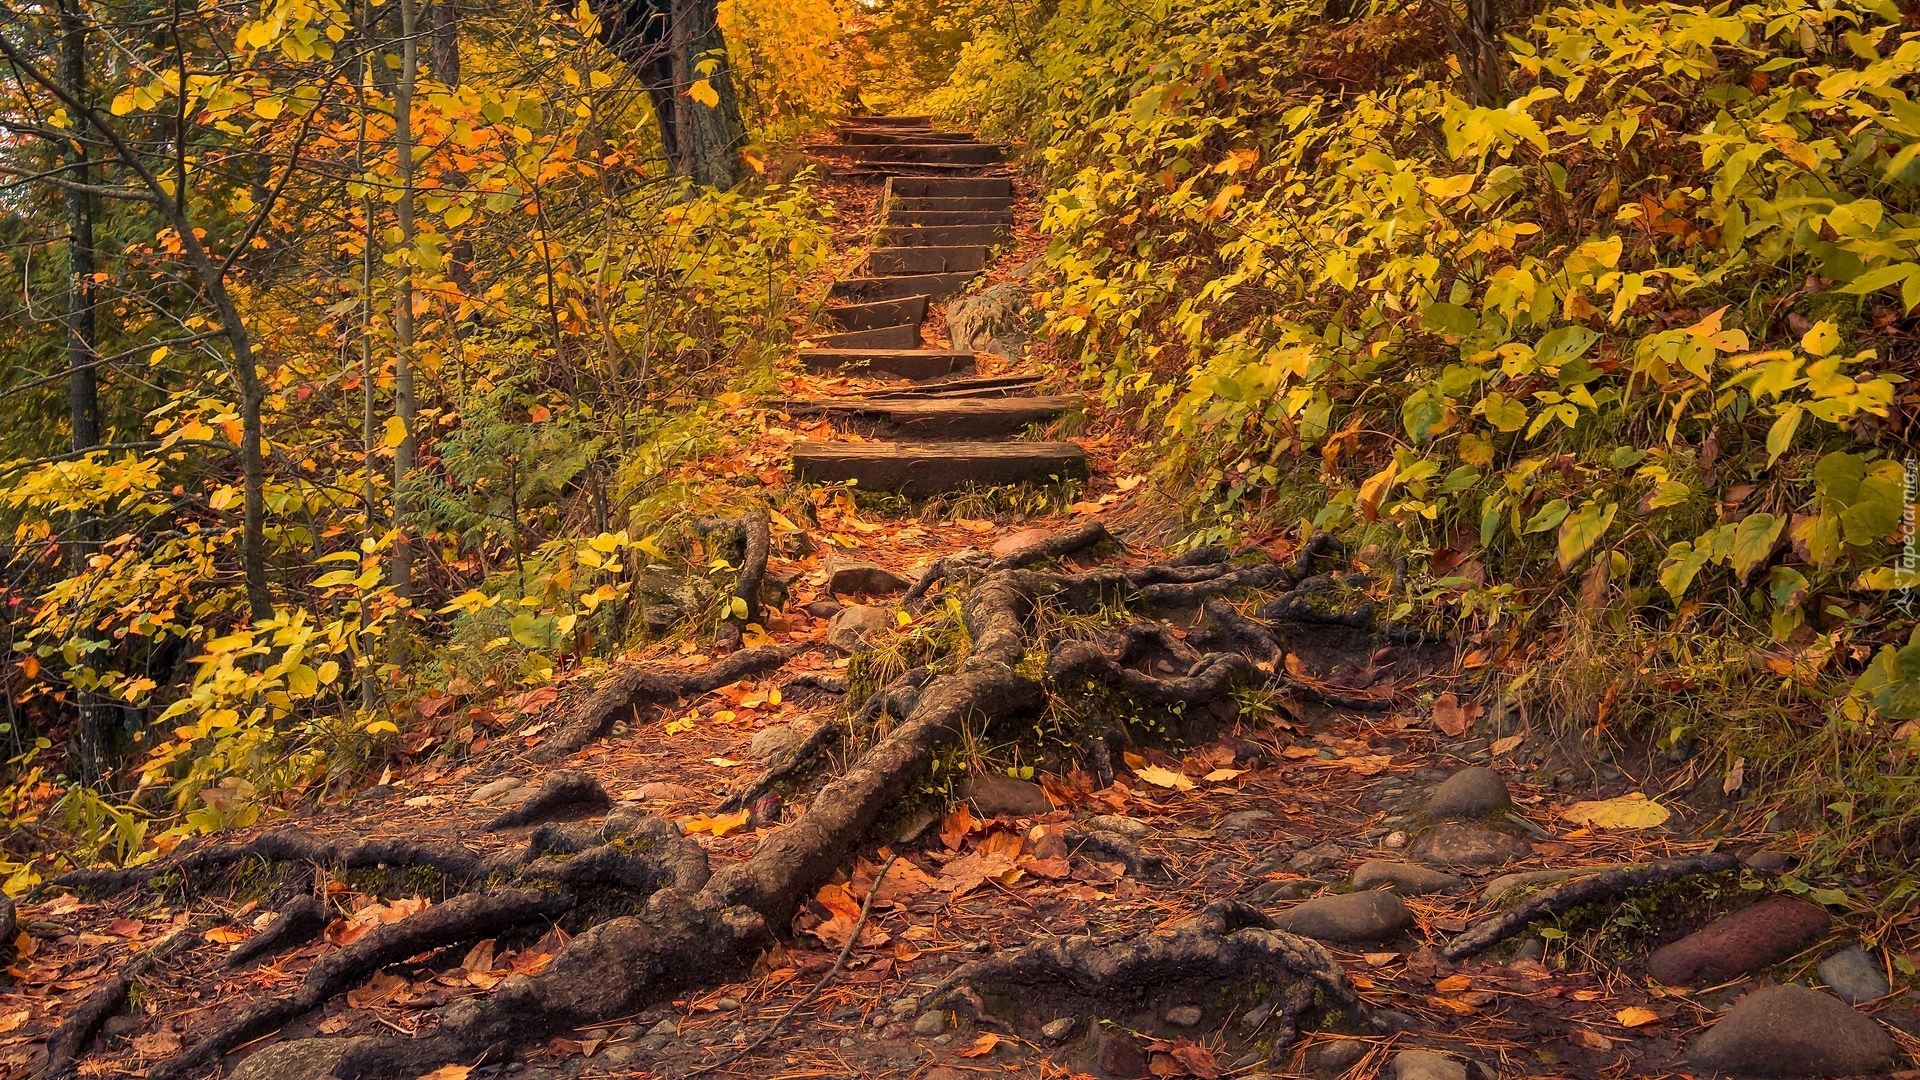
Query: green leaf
1564 344
1449 319
1546 517
1580 531
1504 413
1780 435
1682 563
1753 541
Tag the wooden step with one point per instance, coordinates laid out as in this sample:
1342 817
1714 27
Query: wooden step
932 286
916 364
950 187
946 235
907 309
904 336
882 262
935 418
986 202
936 170
901 120
967 153
959 386
888 135
949 217
928 468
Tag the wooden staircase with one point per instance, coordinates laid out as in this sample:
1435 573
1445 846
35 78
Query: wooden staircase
946 204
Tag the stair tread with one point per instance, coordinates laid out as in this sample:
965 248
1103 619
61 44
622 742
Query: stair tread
927 467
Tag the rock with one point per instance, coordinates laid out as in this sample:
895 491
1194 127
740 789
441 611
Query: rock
1854 975
770 743
856 578
1512 886
661 791
667 1028
727 1004
1334 1058
904 1006
997 320
1131 828
486 793
1013 542
1792 1031
1425 1065
1394 840
1459 843
1316 858
1183 1016
1764 934
823 609
1120 1056
1469 793
997 796
1392 1021
1268 892
1531 950
931 1022
941 1072
1241 822
119 1026
1404 878
1356 916
851 627
301 1059
564 795
1057 1030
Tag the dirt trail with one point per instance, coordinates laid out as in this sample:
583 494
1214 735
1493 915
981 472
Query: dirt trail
1238 825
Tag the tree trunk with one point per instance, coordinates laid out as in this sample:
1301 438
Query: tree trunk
710 135
403 399
446 42
83 388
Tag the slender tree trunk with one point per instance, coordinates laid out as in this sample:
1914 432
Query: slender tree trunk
83 386
369 414
446 42
712 135
403 399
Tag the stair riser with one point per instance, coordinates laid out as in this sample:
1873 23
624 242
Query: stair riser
935 287
989 202
950 187
915 364
929 469
947 235
877 136
915 153
906 336
883 262
912 309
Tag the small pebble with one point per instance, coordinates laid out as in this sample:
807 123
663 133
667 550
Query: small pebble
932 1022
1056 1030
727 1004
1185 1016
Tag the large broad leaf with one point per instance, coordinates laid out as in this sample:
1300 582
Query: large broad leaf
1581 530
1632 811
1449 319
1563 345
1682 563
1753 541
1892 682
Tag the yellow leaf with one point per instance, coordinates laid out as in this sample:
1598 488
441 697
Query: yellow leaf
396 432
718 826
1166 778
903 618
1634 1016
382 727
1220 776
1506 745
1631 811
982 1046
449 1072
329 670
703 92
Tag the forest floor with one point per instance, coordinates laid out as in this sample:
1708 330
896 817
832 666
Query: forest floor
1252 810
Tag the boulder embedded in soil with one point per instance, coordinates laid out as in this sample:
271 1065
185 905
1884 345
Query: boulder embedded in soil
1357 916
1426 1065
1469 845
1793 1031
770 743
1748 940
856 578
851 627
1470 793
1405 878
1004 796
1854 975
301 1059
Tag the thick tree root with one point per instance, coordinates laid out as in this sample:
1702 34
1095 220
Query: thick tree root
285 845
1228 962
635 688
1580 892
896 700
470 915
567 793
82 1023
298 923
1092 534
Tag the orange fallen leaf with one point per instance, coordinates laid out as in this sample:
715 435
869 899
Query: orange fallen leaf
1634 1016
719 825
1166 778
1453 984
226 935
982 1046
449 1072
1452 717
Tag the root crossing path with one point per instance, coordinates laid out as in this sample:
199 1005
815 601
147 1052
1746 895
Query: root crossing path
1063 809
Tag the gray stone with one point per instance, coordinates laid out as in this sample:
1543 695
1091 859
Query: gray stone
301 1059
1241 822
1359 916
486 793
857 578
661 791
1458 843
904 1006
1131 828
1316 858
1404 878
1269 891
1057 1030
932 1022
1184 1016
1334 1058
1793 1031
770 743
851 627
727 1004
995 795
997 320
823 609
1425 1065
1769 862
1854 975
1469 793
668 1028
1394 840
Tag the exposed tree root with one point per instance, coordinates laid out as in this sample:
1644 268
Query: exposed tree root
285 845
1055 546
1582 891
896 699
1228 962
82 1023
298 923
632 689
1112 847
567 793
756 540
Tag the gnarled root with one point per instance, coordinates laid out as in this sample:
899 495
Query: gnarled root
1604 886
634 688
76 1032
285 845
